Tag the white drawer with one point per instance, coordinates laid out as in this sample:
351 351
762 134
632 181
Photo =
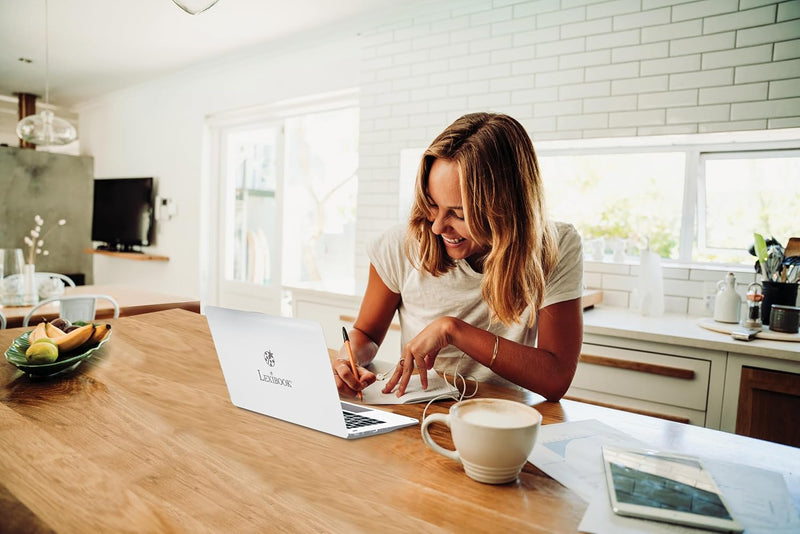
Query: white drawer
649 377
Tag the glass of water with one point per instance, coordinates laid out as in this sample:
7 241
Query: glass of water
11 279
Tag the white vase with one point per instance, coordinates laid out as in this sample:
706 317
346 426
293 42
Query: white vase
30 293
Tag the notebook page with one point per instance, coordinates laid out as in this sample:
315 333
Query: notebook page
414 392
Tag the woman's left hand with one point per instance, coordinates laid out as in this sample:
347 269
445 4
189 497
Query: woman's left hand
420 352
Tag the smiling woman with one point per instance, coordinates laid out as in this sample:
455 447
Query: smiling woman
483 282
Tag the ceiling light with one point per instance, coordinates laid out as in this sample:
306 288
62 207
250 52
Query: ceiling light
193 7
45 128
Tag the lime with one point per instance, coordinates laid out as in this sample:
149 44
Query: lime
42 350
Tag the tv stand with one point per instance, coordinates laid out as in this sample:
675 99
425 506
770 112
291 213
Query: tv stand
131 255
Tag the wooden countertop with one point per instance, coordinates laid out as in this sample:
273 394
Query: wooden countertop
143 437
131 301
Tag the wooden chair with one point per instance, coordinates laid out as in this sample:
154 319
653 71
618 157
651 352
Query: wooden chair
75 307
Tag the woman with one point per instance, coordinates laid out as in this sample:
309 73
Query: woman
477 272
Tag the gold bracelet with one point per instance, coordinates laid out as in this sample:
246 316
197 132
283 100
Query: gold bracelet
494 352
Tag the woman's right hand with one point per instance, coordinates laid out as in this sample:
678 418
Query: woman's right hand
346 382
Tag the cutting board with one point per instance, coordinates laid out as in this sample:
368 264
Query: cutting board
726 328
591 297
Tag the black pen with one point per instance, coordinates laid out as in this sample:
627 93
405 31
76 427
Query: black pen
352 358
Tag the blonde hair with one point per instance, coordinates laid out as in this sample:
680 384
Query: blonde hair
504 210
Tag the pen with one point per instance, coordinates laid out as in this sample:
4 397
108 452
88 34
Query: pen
352 358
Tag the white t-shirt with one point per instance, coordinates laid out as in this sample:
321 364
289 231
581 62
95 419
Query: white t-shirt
457 293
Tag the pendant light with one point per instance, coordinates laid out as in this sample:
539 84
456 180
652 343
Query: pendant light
193 7
45 128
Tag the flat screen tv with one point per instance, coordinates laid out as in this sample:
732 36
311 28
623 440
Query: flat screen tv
124 213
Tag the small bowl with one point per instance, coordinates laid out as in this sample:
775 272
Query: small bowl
784 319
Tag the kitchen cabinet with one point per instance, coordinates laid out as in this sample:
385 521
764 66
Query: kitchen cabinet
675 383
762 398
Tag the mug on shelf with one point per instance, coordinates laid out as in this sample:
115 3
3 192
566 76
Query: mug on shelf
493 437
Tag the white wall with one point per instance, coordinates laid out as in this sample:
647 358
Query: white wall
157 129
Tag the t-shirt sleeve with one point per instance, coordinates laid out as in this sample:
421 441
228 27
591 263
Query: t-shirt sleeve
387 254
566 281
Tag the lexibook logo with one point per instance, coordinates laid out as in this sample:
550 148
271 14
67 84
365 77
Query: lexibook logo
270 378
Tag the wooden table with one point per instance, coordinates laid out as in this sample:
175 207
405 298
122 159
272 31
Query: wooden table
143 438
132 301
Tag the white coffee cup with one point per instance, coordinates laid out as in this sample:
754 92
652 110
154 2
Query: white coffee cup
493 437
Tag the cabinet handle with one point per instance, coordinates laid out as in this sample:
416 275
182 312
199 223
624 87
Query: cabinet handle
351 319
676 418
642 367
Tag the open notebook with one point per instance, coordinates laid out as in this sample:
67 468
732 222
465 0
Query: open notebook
414 393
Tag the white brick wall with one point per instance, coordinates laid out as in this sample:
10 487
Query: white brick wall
570 69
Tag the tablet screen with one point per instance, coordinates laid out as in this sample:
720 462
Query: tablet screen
665 487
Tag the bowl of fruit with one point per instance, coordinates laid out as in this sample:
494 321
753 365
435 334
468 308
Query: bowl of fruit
56 347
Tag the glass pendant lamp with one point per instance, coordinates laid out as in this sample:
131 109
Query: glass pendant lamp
44 128
193 7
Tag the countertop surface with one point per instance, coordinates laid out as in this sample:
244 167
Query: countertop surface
684 330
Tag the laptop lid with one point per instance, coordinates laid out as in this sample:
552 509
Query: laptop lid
279 366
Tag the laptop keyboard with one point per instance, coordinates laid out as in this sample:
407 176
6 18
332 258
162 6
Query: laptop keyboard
353 420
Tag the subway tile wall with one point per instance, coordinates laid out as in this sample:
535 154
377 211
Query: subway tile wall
687 290
572 69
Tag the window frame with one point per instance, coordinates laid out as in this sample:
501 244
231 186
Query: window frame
697 148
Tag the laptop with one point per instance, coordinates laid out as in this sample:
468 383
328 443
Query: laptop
279 366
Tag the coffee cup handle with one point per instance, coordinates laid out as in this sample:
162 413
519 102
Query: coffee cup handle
426 437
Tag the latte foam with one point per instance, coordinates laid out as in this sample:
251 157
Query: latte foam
498 414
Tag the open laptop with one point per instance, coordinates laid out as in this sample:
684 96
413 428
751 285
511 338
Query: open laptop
279 366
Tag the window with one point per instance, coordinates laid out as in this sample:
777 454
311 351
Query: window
745 192
692 199
634 197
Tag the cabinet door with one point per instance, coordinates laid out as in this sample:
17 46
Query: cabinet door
769 404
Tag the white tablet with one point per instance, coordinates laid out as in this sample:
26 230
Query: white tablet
665 487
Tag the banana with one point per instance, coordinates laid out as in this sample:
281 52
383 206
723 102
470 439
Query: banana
38 333
75 338
53 331
100 332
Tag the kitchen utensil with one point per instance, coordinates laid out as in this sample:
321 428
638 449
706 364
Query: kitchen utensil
774 261
728 303
791 265
760 247
792 248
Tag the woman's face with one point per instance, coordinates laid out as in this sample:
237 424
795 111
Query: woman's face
444 196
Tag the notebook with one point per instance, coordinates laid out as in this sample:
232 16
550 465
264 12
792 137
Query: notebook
279 367
437 387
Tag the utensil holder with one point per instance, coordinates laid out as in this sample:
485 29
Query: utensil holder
776 293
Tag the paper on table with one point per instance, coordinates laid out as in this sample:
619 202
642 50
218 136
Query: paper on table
571 453
758 498
414 392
